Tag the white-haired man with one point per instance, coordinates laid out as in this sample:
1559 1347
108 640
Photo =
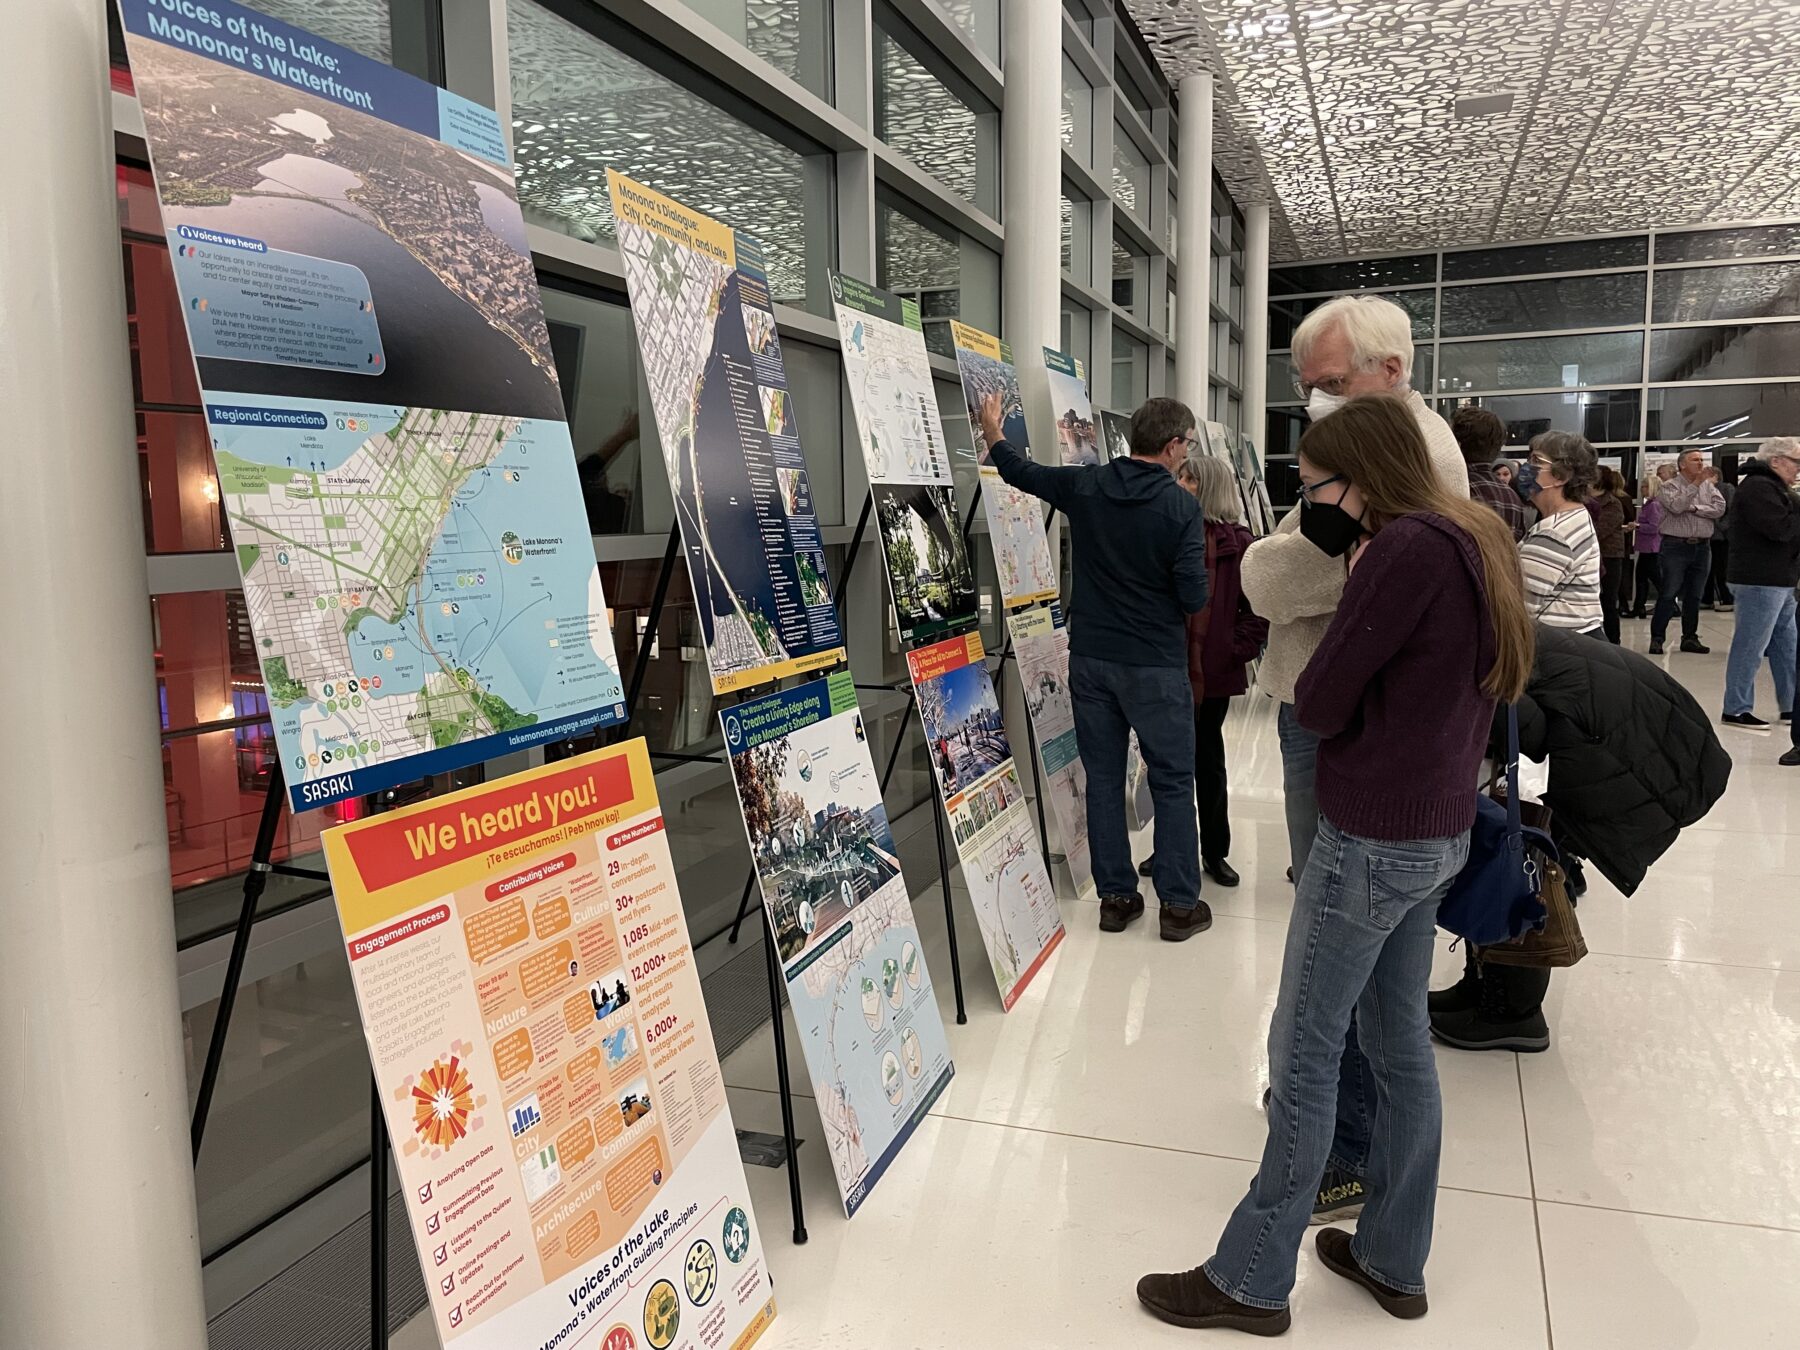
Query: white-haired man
1349 346
1764 527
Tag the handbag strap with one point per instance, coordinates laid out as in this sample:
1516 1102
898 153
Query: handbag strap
1515 824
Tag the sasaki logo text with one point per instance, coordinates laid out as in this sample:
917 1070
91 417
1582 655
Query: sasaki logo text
619 1338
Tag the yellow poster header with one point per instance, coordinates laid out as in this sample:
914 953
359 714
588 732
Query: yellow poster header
635 204
974 340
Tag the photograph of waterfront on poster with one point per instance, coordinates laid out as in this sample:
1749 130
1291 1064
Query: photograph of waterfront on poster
725 418
850 948
1077 437
929 573
1015 519
1041 642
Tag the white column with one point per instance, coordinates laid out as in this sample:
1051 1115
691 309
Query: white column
1193 243
1256 322
99 1245
1031 178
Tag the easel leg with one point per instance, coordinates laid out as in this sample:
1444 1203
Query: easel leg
743 907
856 538
378 1206
1038 768
255 880
887 774
937 823
781 1075
647 639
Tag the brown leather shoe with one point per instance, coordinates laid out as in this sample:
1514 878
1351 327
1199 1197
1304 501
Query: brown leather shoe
1178 925
1118 910
1333 1245
1190 1299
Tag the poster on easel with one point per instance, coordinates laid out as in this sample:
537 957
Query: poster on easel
851 956
931 579
381 402
1015 519
731 444
1115 434
542 1052
1077 438
1040 641
965 736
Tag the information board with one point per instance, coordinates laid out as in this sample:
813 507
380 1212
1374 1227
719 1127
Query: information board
725 415
965 735
930 577
544 1060
850 952
1041 642
381 399
1015 519
1077 436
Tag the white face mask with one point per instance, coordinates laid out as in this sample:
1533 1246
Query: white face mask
1321 404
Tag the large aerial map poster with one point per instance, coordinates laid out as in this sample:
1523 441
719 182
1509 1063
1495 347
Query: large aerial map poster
965 735
700 297
930 576
1041 642
1015 519
546 1067
381 399
831 882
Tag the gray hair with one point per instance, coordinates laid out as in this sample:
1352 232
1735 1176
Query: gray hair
1571 457
1215 486
1375 328
1780 447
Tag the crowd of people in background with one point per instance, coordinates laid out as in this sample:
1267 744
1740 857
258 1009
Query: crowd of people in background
1429 592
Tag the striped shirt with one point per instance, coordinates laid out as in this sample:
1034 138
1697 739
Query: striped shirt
1560 557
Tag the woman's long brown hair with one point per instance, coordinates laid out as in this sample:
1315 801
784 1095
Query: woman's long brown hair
1375 442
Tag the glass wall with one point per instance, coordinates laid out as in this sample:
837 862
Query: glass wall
1679 337
587 91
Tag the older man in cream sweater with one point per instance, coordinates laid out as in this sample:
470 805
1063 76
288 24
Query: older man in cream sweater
1350 346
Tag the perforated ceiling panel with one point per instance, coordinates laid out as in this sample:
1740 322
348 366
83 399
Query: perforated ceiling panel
1628 114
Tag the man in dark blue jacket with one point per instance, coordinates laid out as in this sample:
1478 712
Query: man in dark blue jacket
1140 570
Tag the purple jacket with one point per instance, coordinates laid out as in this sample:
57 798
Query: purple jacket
1649 527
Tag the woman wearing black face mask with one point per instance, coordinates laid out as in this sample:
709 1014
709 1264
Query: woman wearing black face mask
1560 554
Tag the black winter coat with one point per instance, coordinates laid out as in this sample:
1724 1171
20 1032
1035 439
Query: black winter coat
1633 757
1764 524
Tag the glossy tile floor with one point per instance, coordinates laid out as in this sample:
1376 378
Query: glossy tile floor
1636 1186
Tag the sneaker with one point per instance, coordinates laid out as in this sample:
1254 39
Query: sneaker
1656 648
1220 871
1788 716
1791 759
1146 867
1118 910
1744 720
1191 1299
1341 1196
1333 1246
1726 606
1475 1028
1178 924
1695 645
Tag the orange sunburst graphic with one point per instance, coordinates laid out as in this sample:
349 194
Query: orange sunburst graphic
442 1102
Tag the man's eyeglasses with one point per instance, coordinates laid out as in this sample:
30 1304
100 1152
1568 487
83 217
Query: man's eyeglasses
1335 386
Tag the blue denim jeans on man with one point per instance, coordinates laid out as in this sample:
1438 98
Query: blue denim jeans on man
1765 627
1356 1082
1684 563
1361 939
1110 701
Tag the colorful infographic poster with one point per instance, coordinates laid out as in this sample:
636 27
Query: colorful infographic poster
382 402
1041 642
725 415
1077 437
930 577
1115 434
1014 902
831 881
1015 520
535 1023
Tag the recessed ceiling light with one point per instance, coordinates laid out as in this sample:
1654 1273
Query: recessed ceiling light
1483 105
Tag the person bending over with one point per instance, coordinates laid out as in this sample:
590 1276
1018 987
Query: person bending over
1140 569
1431 632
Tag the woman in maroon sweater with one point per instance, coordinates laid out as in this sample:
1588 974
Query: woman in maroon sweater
1431 631
1222 639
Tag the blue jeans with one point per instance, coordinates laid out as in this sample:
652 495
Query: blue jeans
1360 940
1765 627
1111 700
1685 563
1356 1081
